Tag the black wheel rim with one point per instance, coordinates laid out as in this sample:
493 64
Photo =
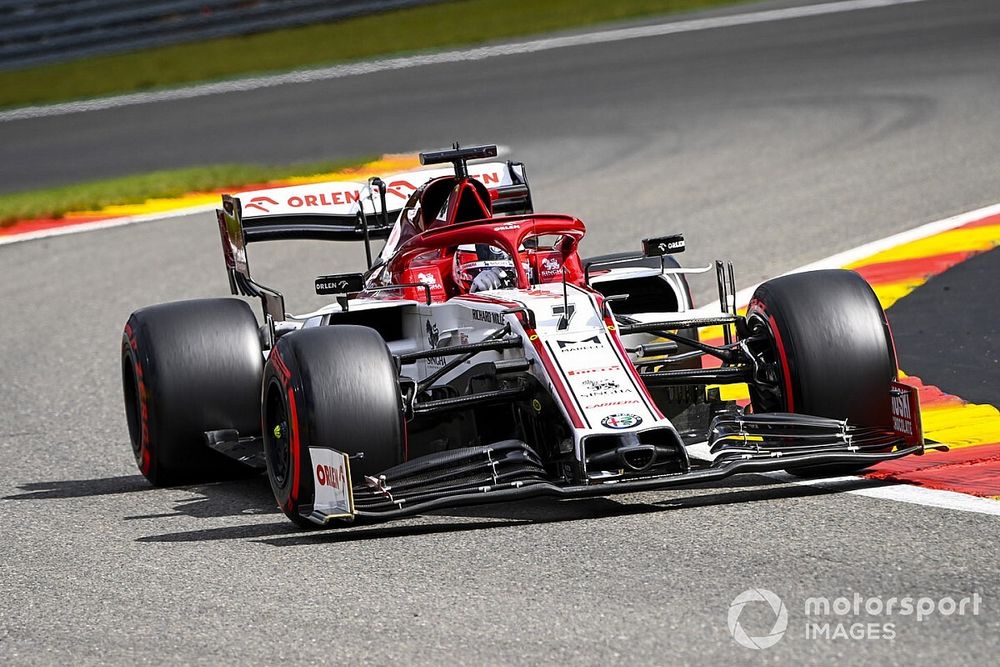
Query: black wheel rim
277 436
766 395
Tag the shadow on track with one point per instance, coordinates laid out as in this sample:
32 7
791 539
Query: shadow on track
509 515
80 488
252 496
239 497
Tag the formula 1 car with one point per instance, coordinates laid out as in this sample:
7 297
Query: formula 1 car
480 359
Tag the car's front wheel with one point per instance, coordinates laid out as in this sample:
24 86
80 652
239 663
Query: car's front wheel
329 387
828 348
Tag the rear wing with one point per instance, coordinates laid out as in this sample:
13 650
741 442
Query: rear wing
342 211
334 210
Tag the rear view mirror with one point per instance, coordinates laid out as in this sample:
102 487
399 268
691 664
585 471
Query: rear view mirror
663 245
340 283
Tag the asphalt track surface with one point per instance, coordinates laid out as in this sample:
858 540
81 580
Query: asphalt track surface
949 330
773 144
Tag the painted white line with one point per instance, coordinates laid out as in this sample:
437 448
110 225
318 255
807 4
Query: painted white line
102 224
905 493
479 53
868 249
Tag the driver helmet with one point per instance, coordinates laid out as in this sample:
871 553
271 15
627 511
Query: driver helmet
482 267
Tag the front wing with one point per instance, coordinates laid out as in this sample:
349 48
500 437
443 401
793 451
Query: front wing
510 470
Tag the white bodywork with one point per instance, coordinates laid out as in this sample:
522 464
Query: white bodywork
346 198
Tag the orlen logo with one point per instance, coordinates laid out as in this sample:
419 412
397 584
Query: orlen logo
321 199
258 203
330 476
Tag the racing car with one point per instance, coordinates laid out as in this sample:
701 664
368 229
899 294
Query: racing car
481 359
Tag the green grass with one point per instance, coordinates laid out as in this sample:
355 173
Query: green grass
448 24
55 202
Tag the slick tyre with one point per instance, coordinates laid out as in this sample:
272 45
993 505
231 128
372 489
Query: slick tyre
830 348
190 367
334 387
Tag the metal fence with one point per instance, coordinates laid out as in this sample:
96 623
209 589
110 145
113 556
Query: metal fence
39 31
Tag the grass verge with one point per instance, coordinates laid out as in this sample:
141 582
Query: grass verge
56 202
457 23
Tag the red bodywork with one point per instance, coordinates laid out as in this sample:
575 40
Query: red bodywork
427 256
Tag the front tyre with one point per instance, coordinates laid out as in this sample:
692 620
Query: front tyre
334 387
829 351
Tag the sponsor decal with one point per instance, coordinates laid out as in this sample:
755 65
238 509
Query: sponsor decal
623 420
905 409
433 336
510 226
489 263
550 269
598 369
612 404
259 202
433 339
427 279
603 384
325 199
550 266
488 316
334 285
592 343
664 248
332 482
902 419
400 188
340 283
330 476
664 245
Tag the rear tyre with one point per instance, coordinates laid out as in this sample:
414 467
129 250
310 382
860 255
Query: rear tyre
330 386
190 367
830 349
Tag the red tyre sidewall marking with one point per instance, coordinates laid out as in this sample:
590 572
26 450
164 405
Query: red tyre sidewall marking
294 446
757 307
892 343
145 455
285 376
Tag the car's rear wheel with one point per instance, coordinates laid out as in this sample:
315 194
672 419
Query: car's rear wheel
828 348
189 367
329 387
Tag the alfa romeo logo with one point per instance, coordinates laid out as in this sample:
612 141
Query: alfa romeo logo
780 618
621 421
